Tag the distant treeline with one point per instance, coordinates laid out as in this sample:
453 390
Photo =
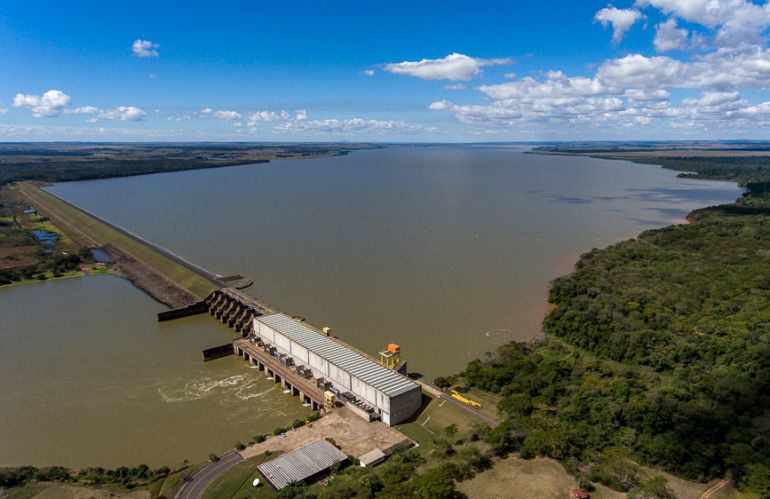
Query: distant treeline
63 171
68 162
740 169
657 350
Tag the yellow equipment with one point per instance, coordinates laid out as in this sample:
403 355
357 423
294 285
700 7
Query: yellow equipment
391 357
464 400
330 400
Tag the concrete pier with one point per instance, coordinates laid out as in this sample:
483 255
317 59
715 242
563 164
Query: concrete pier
217 352
305 389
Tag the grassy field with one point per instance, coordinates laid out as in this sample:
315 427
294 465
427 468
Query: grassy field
521 478
488 401
90 232
237 482
431 422
547 478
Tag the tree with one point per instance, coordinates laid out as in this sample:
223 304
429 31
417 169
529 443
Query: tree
655 487
757 479
435 483
296 490
442 382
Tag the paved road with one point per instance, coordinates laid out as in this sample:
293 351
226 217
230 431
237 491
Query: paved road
197 484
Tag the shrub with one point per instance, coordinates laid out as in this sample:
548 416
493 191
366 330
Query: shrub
442 382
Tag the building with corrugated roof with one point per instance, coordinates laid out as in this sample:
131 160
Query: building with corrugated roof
359 381
301 464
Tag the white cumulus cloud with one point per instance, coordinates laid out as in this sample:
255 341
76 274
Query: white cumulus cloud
48 105
224 115
736 21
120 113
259 116
452 67
145 48
620 19
123 113
669 37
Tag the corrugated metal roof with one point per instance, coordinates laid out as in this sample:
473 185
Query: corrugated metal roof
367 370
301 463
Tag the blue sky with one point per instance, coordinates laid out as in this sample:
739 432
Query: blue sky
394 71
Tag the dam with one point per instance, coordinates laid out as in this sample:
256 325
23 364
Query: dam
310 363
323 371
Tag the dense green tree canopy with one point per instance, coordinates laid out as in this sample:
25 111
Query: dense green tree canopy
656 347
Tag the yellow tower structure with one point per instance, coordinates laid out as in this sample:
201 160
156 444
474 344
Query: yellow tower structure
391 357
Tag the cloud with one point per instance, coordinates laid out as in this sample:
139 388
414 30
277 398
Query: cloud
48 105
120 113
640 72
633 90
222 114
85 110
668 37
620 19
455 86
368 72
452 67
123 113
3 110
344 126
145 48
260 116
736 21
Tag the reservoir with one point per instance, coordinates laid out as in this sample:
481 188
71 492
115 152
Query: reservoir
445 250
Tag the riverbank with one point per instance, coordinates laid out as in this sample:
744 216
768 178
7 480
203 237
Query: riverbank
656 349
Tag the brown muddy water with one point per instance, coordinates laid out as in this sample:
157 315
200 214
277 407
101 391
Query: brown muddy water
446 251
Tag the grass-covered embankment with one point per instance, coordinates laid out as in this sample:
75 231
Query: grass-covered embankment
90 231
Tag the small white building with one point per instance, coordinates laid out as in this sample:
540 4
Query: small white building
390 394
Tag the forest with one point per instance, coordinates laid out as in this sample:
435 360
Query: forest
61 162
656 351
